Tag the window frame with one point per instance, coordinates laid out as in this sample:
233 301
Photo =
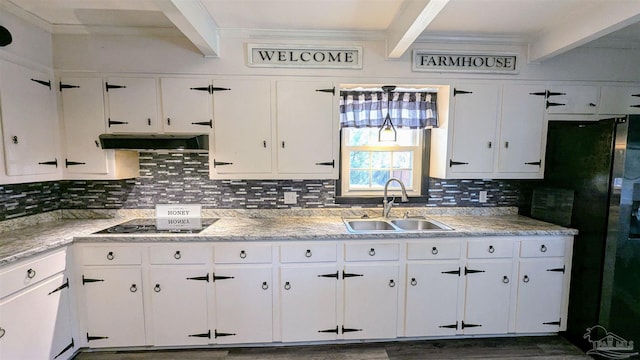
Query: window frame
421 175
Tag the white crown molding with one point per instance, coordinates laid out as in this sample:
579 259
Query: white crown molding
271 34
482 39
116 30
11 8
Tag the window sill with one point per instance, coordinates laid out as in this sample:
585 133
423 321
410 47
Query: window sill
422 200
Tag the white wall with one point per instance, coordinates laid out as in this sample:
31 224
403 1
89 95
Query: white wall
31 45
140 54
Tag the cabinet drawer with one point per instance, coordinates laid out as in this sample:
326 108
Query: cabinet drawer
23 274
371 252
542 247
308 253
242 254
179 254
490 248
434 249
111 255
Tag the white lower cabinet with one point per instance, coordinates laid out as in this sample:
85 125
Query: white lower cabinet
308 302
540 289
431 307
487 297
113 302
370 301
243 303
179 305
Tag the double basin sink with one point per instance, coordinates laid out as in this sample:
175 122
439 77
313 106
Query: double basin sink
380 225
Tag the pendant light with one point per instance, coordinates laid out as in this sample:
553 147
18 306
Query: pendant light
387 131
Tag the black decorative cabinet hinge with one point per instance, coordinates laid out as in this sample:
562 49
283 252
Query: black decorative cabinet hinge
450 326
451 163
70 346
108 86
335 331
89 280
348 330
63 286
202 335
454 272
554 323
68 163
91 338
204 123
62 86
201 278
331 90
53 162
331 163
461 92
467 325
221 334
42 82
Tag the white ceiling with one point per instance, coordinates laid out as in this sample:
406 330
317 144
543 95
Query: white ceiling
548 27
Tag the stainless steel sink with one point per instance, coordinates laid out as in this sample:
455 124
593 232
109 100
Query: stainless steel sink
419 224
394 225
369 225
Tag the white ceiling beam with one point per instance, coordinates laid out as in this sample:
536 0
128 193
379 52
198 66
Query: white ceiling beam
195 22
412 19
585 24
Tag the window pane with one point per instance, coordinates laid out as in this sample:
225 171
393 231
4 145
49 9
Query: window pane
402 159
406 176
381 160
359 178
360 159
379 177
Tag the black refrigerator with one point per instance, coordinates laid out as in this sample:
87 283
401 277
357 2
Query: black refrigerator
599 162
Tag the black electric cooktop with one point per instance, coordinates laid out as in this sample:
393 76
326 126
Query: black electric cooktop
160 226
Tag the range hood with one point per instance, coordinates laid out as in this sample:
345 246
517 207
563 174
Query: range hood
155 142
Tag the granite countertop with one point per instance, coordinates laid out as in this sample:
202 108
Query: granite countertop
247 226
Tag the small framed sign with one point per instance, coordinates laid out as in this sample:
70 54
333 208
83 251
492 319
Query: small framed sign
178 211
302 56
470 62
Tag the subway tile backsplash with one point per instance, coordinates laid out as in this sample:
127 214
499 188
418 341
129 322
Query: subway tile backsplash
184 178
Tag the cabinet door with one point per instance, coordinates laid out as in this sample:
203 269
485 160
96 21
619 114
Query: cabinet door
308 302
179 305
243 301
620 100
488 297
521 130
540 291
242 128
187 105
573 99
370 301
132 105
474 128
432 299
29 121
114 315
83 117
306 128
36 323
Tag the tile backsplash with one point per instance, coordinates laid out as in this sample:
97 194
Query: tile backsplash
184 178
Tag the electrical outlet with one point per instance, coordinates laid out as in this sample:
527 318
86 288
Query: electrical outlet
291 197
482 197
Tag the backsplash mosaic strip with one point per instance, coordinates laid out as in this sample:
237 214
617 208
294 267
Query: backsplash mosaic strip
184 178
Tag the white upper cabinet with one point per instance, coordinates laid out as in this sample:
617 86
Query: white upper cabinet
474 128
132 105
187 105
494 132
306 128
572 99
521 131
274 130
620 100
242 129
82 109
29 121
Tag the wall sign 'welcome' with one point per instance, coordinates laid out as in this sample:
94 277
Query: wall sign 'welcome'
329 57
464 62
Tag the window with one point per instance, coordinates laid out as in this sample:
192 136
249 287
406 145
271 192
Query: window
367 164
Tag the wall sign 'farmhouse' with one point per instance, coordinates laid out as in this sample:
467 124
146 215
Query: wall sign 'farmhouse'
329 57
464 62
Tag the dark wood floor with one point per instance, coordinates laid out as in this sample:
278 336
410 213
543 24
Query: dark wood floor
516 348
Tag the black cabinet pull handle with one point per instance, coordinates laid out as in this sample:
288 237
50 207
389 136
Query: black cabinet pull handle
14 139
2 332
264 144
434 250
177 255
243 254
308 253
525 279
265 286
392 283
283 144
149 121
31 273
110 255
133 288
543 248
491 249
169 121
157 288
97 143
372 252
287 286
505 279
414 282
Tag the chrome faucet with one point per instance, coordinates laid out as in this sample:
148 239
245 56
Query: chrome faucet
386 205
